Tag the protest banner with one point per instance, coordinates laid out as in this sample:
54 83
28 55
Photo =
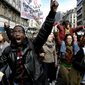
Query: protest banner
31 10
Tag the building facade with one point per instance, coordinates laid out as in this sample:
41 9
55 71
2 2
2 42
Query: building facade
83 14
10 12
79 12
59 15
71 16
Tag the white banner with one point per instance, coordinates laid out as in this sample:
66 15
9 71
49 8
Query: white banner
31 10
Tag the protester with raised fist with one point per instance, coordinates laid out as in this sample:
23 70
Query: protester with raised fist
22 53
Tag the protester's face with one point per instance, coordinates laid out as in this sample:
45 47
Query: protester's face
74 36
1 37
18 35
68 26
69 39
50 37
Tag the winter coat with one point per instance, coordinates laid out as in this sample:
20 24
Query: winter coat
50 54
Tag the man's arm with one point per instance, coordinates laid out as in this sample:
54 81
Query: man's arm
6 27
46 27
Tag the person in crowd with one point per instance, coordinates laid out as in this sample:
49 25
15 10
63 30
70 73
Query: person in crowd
4 42
50 58
21 55
75 36
66 58
78 65
66 29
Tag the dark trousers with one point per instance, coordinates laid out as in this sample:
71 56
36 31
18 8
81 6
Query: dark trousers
49 71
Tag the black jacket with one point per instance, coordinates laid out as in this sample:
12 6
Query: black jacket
29 56
77 61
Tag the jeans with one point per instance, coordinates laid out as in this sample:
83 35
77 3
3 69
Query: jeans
63 47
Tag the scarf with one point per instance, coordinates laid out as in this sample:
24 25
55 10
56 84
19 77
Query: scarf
70 47
49 44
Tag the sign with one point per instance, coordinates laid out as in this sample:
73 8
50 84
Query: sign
31 10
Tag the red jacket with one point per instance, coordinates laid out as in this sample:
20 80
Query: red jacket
62 32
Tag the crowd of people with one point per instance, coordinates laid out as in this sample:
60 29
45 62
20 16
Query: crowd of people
33 61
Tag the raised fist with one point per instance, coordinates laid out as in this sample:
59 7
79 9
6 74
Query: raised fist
54 5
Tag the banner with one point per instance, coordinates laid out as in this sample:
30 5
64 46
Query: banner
31 9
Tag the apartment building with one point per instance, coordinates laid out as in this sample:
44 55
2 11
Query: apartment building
71 16
59 15
10 12
83 14
79 12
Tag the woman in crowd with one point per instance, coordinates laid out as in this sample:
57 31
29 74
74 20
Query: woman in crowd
79 64
4 42
75 36
50 58
66 58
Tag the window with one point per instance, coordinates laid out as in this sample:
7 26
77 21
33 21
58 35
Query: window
22 21
73 26
13 16
74 16
74 21
14 3
10 1
17 4
31 22
5 11
79 17
9 16
79 11
79 5
79 23
2 9
6 0
18 19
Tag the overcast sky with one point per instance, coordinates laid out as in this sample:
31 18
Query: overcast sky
64 5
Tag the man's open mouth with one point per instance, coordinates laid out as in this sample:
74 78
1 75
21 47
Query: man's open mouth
18 40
